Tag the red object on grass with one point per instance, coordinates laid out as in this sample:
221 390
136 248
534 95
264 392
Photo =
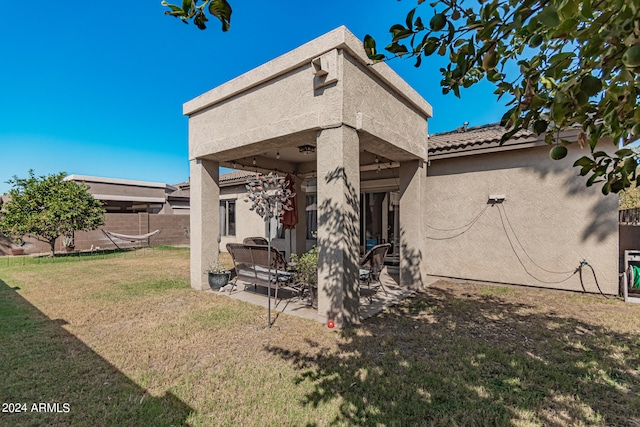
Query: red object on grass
330 324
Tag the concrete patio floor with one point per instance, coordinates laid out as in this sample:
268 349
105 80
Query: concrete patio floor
290 303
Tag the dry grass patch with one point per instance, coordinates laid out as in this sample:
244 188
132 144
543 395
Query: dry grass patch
135 345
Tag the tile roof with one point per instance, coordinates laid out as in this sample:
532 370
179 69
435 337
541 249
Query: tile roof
183 193
227 179
473 138
184 184
235 177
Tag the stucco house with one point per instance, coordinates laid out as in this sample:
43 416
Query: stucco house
456 204
520 237
537 219
131 196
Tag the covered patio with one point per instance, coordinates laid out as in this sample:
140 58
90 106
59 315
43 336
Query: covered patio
319 112
301 307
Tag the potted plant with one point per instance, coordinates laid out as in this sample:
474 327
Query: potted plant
306 266
68 242
219 276
18 246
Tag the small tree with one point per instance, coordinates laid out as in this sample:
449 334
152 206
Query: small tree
630 198
269 196
48 207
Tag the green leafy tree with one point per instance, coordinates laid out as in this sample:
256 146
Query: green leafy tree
48 207
630 198
576 65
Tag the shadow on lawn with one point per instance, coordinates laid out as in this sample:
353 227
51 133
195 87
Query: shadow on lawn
43 363
446 359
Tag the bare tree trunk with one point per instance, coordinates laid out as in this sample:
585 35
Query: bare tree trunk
52 243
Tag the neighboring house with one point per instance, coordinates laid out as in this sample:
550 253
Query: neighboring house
178 200
456 204
138 207
129 196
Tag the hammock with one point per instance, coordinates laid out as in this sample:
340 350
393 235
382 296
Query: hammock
130 238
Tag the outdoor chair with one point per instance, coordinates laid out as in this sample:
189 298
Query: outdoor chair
255 241
371 266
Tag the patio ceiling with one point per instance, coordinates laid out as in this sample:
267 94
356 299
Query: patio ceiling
284 155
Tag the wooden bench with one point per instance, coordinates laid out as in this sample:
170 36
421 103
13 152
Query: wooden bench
251 264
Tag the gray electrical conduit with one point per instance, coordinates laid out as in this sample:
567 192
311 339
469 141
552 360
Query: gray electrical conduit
520 260
582 264
464 228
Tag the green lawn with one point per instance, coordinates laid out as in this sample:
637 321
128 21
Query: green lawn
122 339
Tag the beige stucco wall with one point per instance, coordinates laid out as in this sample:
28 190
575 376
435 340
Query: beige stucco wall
248 223
276 108
283 98
125 190
371 105
556 219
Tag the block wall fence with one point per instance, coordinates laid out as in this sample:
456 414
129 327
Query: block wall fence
174 232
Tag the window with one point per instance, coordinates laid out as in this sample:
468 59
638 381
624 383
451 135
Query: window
312 215
277 229
227 217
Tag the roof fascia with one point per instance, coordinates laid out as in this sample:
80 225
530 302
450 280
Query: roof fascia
339 38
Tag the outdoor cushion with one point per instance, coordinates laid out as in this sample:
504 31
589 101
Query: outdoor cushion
263 273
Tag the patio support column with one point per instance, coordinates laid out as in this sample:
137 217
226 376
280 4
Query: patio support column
338 225
205 219
412 237
301 228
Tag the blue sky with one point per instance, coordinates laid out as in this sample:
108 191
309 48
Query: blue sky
96 88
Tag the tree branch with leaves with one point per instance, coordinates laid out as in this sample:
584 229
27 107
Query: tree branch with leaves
578 65
191 10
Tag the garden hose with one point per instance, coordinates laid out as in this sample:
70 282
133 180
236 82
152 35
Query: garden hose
582 264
